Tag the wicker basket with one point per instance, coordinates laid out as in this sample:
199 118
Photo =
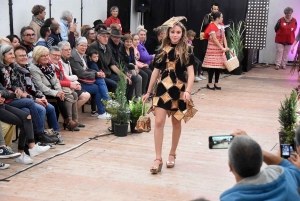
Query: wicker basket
232 63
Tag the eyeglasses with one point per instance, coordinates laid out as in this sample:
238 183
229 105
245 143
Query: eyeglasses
22 55
30 35
56 55
47 55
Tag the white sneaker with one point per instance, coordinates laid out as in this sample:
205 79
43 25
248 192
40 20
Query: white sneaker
104 116
202 77
197 79
4 166
24 159
36 150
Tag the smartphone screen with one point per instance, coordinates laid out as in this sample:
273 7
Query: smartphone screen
219 141
74 20
285 150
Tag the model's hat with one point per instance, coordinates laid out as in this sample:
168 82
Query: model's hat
174 20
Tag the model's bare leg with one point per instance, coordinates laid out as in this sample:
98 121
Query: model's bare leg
175 140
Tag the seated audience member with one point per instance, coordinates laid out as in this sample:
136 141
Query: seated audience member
280 180
50 21
90 35
54 37
127 52
83 96
9 80
105 61
145 57
22 72
43 40
67 86
27 36
65 23
96 23
39 13
198 64
142 67
115 45
8 131
153 43
83 28
14 39
15 116
113 19
46 81
79 67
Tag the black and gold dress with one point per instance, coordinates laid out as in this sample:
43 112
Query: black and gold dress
171 84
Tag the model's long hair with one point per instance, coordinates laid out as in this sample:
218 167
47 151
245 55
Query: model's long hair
182 48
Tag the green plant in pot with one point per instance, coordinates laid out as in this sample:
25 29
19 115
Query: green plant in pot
235 41
136 110
288 118
123 113
111 106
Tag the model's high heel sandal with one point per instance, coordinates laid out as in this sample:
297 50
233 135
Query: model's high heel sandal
154 169
171 164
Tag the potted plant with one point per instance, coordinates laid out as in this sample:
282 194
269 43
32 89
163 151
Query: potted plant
235 41
288 118
123 113
111 106
136 110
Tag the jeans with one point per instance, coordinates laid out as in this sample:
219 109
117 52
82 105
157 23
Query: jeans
15 116
99 88
28 104
197 66
49 110
111 82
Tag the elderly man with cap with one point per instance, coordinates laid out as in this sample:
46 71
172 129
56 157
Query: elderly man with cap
280 180
79 67
106 62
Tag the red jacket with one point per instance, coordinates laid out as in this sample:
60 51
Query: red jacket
112 20
60 74
286 32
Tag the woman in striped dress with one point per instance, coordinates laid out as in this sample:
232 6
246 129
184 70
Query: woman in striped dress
217 46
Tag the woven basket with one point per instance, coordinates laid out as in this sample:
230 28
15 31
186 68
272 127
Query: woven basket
232 63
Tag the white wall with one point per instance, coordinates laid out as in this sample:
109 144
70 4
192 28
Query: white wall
4 18
134 18
275 12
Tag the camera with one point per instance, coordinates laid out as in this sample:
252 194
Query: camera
219 141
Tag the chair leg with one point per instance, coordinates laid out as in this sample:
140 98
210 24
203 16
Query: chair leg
17 134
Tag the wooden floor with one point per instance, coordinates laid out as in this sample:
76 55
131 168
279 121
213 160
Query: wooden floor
113 168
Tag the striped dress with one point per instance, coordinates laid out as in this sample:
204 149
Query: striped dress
214 57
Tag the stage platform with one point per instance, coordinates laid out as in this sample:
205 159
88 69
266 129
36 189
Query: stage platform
117 169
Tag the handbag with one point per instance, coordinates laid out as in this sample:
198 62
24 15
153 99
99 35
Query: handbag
87 80
143 124
232 63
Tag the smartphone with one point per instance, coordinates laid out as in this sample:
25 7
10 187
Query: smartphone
285 150
74 21
219 141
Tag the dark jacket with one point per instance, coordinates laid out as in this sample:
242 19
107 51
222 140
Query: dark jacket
105 60
117 56
77 66
152 44
126 56
53 39
93 65
206 21
5 94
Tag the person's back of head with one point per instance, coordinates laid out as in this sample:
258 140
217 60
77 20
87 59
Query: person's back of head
45 31
245 156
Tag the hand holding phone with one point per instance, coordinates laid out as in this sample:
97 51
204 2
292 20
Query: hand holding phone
219 141
74 20
286 150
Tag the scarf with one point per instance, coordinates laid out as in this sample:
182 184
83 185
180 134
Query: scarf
58 68
26 78
6 70
46 70
38 21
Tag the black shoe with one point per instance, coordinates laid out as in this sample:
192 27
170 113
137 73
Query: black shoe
45 138
207 86
80 125
52 146
6 152
218 88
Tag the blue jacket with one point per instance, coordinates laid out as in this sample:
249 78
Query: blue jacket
93 65
274 183
64 29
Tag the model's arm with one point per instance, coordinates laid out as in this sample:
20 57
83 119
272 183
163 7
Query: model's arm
153 78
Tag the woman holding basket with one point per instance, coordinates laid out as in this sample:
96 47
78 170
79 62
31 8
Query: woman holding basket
217 46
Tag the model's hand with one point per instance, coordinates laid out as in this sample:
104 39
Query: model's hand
224 49
145 97
295 159
186 96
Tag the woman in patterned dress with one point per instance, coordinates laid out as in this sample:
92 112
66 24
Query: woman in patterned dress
217 46
174 76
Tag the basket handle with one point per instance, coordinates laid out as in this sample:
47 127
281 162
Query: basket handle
232 54
143 112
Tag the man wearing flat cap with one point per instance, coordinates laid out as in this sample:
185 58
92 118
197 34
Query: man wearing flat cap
106 62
